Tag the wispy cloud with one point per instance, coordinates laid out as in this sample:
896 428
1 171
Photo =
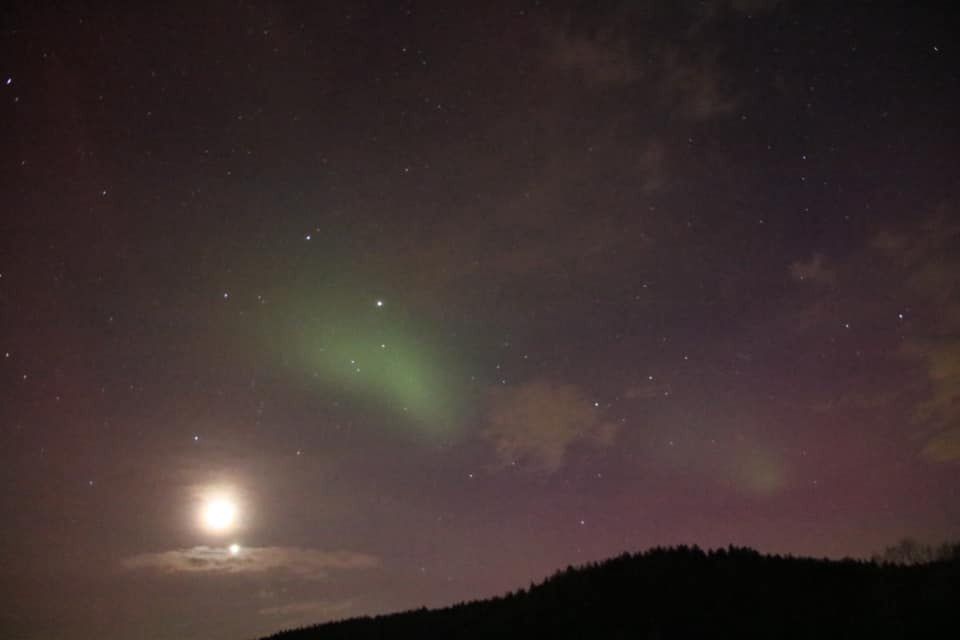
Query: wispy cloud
305 563
597 61
318 608
913 270
537 423
815 270
940 410
692 85
926 254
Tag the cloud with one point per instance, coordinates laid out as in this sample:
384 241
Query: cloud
537 423
305 563
755 6
604 61
758 471
900 294
814 270
715 7
896 301
635 52
943 447
319 608
927 255
694 87
940 411
917 264
650 164
646 391
858 400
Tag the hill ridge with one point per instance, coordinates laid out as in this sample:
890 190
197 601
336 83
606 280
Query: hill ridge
687 592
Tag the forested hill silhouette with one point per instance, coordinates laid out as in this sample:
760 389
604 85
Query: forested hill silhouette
685 592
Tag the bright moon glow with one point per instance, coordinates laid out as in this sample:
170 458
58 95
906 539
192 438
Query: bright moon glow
219 515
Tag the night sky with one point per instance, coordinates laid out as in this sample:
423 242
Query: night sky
416 302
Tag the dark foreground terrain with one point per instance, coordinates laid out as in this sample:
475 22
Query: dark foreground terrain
690 593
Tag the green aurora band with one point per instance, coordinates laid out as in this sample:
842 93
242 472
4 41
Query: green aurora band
375 356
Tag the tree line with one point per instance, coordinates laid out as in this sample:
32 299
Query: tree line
686 592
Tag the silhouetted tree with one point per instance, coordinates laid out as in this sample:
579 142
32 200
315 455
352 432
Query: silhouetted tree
910 552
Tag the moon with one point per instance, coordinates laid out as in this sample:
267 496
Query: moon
219 515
